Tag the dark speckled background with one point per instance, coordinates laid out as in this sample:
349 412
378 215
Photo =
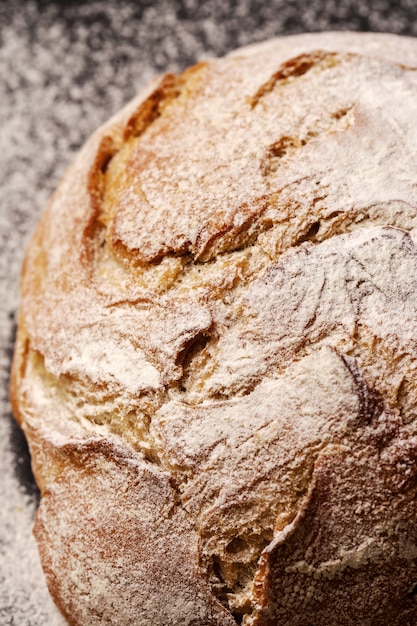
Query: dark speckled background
64 68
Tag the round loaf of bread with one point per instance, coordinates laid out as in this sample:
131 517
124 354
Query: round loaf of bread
216 357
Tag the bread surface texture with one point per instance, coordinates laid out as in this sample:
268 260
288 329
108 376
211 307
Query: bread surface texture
215 364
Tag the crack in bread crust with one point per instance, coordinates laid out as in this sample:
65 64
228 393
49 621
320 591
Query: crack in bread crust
294 68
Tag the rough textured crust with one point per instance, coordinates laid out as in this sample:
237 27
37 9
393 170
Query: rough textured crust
215 362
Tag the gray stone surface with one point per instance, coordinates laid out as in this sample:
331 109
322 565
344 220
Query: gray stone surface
64 68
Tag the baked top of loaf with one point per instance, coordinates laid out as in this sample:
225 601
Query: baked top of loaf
215 361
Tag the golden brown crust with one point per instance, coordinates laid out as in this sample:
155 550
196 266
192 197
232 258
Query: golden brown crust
139 539
215 363
354 536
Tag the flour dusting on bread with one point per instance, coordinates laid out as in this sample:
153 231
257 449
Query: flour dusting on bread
216 358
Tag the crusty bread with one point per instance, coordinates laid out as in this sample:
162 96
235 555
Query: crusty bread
216 358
